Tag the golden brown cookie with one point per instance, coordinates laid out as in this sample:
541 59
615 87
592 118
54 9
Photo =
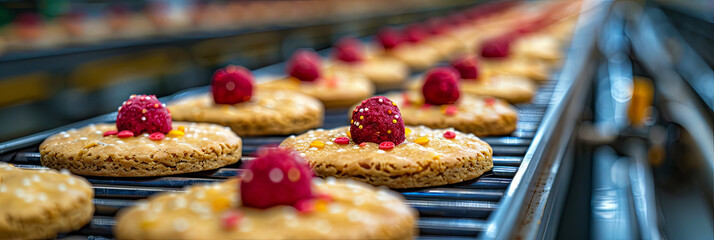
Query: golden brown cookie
336 89
533 69
384 71
39 204
357 211
418 56
470 114
426 158
514 89
86 151
268 112
539 47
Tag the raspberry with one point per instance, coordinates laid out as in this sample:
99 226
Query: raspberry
377 120
143 114
441 86
277 177
231 85
498 47
389 38
304 65
349 50
467 67
415 33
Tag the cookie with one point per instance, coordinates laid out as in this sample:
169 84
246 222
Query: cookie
275 199
269 112
426 158
384 71
39 204
378 149
408 47
538 46
189 147
533 69
336 89
483 116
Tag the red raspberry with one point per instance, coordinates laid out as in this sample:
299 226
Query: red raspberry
441 86
389 38
416 33
467 67
231 85
304 65
498 47
438 26
277 177
143 114
377 120
349 50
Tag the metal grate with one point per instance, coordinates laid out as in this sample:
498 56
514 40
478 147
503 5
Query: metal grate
457 210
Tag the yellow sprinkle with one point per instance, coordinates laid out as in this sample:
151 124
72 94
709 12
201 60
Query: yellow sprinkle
321 206
360 126
145 225
176 133
389 131
407 131
421 140
393 120
394 104
220 204
361 117
318 144
143 110
352 121
349 135
182 128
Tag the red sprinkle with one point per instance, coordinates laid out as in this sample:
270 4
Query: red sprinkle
305 206
125 134
451 110
450 135
363 144
157 136
342 140
490 101
386 145
231 219
109 133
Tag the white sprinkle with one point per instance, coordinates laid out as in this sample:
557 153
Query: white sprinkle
180 224
356 147
354 215
380 151
61 187
119 109
312 149
180 202
163 104
3 188
64 171
65 135
358 200
98 132
275 175
356 123
29 198
83 138
396 116
292 136
197 207
26 182
120 142
366 109
323 226
380 100
20 193
143 118
42 197
331 180
205 139
36 178
303 154
200 194
361 110
341 150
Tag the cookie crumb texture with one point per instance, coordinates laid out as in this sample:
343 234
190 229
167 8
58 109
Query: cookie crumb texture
439 161
357 211
86 151
483 116
269 112
39 204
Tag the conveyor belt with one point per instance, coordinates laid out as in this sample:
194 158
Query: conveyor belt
459 210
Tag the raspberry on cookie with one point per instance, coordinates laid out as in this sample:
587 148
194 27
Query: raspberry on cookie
276 198
408 47
378 149
143 142
39 204
247 110
384 71
334 87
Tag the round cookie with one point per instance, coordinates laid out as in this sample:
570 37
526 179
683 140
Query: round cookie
334 88
533 69
341 210
483 116
268 112
512 88
426 158
39 204
87 151
384 71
